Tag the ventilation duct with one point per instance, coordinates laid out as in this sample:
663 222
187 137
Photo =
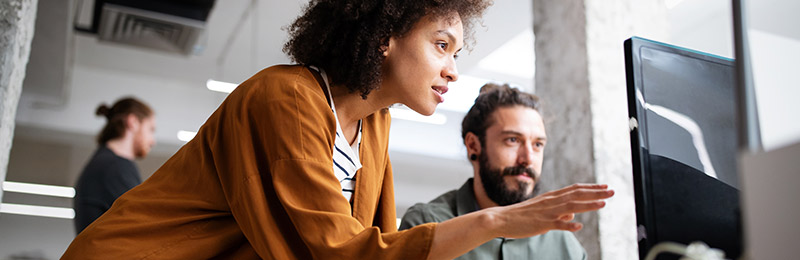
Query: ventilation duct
169 25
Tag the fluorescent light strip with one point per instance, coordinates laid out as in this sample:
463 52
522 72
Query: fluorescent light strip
220 86
41 211
39 189
186 135
405 114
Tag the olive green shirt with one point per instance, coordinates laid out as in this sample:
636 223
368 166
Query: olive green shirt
555 244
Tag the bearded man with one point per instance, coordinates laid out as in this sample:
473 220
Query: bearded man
505 138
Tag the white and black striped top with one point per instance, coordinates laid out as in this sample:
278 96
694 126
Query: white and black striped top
346 161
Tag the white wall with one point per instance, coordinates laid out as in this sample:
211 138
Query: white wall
775 50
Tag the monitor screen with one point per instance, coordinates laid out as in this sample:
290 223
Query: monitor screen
682 105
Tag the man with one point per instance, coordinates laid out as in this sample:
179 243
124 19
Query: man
505 139
127 135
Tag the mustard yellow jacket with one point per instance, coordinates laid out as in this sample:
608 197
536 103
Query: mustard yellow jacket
257 182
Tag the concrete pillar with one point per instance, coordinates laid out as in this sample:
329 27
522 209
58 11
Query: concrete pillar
17 20
580 76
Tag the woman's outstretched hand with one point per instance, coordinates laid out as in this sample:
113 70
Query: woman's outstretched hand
553 210
549 211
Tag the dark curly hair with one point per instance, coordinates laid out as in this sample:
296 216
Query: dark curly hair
345 37
492 97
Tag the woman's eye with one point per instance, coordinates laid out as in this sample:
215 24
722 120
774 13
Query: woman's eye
442 45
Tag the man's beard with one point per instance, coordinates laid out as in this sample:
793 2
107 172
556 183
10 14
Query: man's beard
139 149
495 186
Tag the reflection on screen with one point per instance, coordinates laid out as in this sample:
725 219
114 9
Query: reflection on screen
690 112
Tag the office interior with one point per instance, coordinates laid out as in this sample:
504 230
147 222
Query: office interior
528 43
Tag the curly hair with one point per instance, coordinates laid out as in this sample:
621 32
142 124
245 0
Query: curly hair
492 97
345 37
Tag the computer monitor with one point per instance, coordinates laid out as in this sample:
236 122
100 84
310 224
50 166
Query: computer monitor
682 107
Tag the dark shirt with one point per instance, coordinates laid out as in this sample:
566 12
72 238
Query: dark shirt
556 244
103 180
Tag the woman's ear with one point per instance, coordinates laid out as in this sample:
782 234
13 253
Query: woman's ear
386 46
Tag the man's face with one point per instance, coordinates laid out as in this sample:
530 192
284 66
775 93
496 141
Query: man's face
510 162
144 137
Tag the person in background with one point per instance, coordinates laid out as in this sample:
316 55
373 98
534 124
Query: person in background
110 172
294 164
505 139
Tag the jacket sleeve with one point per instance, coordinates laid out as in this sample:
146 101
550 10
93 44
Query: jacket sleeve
276 170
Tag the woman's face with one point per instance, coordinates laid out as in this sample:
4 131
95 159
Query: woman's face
419 64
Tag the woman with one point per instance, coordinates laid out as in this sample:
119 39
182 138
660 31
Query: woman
294 164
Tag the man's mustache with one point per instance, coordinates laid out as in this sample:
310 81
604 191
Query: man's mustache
518 170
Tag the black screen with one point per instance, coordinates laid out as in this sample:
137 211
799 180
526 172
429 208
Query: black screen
684 148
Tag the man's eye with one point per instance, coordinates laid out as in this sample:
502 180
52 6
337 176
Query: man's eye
442 45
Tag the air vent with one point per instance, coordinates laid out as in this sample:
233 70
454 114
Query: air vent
138 27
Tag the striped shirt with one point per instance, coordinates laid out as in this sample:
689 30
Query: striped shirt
346 161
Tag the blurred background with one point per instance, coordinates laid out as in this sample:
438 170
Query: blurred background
71 72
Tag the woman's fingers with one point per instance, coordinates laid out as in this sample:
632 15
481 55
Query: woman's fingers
577 207
577 186
556 209
559 212
567 217
568 226
576 195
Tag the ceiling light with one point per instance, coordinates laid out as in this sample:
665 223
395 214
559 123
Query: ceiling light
407 114
41 211
186 135
220 86
39 189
